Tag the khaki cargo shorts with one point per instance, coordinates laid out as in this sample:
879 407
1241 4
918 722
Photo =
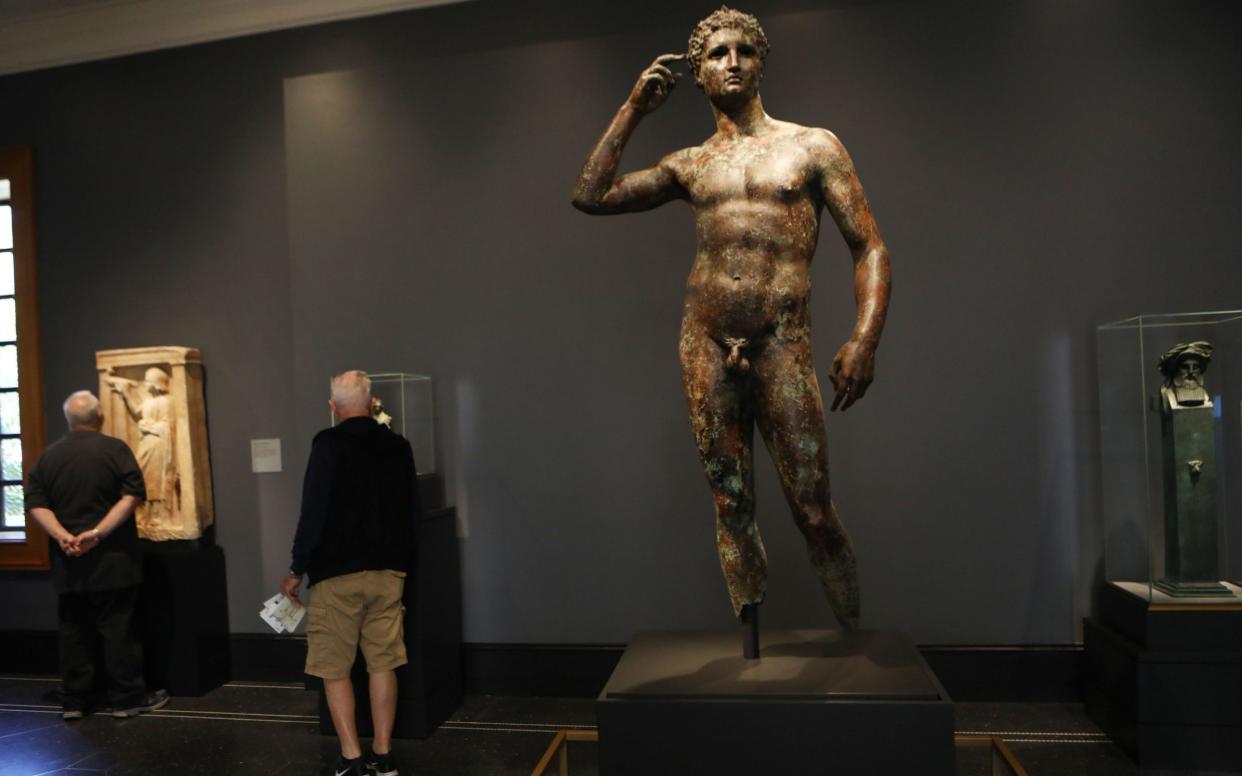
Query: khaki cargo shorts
346 612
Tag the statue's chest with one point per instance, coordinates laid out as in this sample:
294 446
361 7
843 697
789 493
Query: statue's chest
754 171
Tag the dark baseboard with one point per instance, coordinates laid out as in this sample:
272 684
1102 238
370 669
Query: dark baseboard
1043 673
1016 674
552 670
267 658
28 652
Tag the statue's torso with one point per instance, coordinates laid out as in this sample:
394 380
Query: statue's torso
156 415
757 208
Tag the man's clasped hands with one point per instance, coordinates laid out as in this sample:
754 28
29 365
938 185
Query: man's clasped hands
74 546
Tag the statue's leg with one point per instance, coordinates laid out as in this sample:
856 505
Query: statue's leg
722 418
790 414
145 516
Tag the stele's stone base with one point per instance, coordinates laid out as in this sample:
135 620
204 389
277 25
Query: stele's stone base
185 617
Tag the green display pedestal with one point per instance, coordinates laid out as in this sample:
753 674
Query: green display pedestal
1190 503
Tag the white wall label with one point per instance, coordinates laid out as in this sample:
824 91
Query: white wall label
264 455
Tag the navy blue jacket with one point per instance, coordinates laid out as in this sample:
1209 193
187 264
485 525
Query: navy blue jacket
360 507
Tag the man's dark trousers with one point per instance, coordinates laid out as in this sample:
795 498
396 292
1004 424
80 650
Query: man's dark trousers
109 613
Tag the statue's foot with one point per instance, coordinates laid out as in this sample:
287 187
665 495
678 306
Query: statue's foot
840 581
848 622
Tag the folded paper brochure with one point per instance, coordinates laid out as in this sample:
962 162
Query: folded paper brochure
282 614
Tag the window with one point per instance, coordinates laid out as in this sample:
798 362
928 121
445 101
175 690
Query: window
22 543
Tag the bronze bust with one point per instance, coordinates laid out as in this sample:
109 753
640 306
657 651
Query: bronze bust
1183 367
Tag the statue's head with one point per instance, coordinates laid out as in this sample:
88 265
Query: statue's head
156 380
1183 367
725 19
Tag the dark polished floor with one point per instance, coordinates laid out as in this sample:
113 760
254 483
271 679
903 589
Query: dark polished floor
273 729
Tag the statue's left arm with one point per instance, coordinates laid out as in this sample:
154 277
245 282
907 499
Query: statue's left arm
853 368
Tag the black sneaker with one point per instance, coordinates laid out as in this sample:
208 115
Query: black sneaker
354 767
150 702
382 764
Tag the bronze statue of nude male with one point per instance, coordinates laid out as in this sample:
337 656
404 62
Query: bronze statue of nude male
758 187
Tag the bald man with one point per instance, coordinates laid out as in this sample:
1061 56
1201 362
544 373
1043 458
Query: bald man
83 491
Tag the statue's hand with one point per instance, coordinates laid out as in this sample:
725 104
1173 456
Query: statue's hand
655 84
852 371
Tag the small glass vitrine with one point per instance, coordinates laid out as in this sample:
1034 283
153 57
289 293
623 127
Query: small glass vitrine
406 405
1171 470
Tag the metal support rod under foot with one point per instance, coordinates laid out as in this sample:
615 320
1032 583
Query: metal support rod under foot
750 631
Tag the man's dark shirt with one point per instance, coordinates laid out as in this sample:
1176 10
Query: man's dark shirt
360 505
80 477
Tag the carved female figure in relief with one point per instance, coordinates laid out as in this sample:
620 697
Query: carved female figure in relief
150 406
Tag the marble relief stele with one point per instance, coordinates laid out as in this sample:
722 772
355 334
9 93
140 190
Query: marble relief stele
153 399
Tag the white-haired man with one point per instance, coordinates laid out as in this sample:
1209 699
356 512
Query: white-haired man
82 491
355 542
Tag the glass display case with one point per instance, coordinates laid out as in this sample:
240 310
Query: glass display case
1171 445
404 402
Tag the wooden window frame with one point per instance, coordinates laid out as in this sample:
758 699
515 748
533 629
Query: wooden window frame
17 165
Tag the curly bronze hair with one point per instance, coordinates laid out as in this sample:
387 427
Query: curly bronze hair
725 18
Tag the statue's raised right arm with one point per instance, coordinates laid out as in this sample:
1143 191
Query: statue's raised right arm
127 390
598 190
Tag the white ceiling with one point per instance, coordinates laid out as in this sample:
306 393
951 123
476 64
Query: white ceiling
36 34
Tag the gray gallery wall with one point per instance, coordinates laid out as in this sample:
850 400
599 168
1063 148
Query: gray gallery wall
392 193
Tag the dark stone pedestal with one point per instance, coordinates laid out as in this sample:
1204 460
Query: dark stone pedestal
1164 679
1190 495
815 702
429 687
183 617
